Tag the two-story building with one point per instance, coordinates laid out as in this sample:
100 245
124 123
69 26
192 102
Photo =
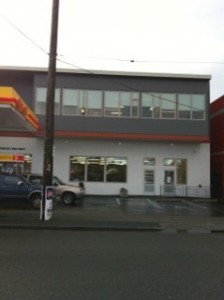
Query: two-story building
145 132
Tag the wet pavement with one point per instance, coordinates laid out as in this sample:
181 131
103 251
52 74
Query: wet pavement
113 213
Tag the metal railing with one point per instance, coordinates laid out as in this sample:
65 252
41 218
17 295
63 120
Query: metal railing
185 191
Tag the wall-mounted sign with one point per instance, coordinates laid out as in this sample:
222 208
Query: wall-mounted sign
13 148
11 157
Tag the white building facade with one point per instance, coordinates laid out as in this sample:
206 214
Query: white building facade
147 133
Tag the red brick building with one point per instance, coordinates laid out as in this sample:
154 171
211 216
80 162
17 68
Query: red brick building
217 147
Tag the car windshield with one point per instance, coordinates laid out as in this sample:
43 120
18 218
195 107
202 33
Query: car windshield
24 179
57 181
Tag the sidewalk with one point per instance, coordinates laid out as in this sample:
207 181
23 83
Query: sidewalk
112 218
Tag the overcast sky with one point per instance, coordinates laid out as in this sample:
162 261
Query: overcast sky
166 36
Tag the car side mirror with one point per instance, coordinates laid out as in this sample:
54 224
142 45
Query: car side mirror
20 183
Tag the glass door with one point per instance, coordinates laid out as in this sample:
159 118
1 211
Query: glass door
169 180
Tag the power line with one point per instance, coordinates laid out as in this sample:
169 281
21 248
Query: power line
132 60
148 61
170 61
25 35
127 86
92 73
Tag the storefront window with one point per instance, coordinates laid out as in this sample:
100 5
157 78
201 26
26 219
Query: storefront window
95 168
27 167
181 166
98 169
116 169
16 163
77 168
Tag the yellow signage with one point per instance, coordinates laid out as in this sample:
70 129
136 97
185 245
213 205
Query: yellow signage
6 157
12 157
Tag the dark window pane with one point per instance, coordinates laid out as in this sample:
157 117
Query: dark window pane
95 168
77 168
116 169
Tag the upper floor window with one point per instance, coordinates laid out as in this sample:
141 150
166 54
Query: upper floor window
191 106
184 106
94 103
41 99
147 105
156 105
70 100
76 102
80 102
121 104
198 107
168 106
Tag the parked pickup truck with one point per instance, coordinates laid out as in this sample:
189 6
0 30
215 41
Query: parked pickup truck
16 187
64 192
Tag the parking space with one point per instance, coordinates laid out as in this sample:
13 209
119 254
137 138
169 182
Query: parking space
154 206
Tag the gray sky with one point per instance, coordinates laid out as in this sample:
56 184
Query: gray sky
166 36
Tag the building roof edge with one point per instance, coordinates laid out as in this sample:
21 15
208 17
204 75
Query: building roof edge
109 72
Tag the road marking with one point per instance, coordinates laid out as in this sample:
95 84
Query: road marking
118 201
194 205
154 204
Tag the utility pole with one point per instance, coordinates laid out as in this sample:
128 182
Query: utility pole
49 121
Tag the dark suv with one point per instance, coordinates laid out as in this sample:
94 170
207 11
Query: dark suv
16 187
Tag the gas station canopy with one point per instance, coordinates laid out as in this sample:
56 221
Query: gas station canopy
15 115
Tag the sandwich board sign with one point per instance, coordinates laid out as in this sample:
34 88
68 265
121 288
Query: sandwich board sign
47 211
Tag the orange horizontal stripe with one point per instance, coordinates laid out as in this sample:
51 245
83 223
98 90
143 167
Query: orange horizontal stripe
128 136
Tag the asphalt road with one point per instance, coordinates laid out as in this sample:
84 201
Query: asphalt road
92 265
145 205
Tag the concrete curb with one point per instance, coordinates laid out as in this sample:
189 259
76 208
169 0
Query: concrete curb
85 227
112 228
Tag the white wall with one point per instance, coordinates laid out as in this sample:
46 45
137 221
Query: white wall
197 155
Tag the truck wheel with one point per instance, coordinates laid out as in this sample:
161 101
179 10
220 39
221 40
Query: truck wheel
68 198
35 201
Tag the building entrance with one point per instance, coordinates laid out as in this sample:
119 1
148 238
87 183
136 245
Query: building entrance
169 177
